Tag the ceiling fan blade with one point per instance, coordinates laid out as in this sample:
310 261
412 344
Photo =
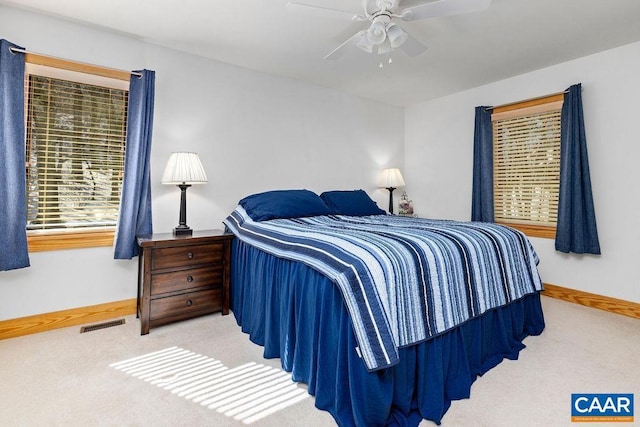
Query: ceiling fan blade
309 9
337 52
412 46
443 8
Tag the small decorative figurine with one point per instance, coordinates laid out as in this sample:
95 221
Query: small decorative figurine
405 205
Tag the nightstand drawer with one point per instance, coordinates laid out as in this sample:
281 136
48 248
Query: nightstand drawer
186 305
186 255
187 279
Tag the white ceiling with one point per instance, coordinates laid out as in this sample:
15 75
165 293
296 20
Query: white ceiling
510 38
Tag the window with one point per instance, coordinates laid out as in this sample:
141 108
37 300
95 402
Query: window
526 162
75 143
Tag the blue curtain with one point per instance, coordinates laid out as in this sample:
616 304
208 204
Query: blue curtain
576 229
13 186
135 206
482 193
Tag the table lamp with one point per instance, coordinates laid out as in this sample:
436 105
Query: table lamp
183 170
391 179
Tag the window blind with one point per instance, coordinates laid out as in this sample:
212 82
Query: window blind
75 153
527 165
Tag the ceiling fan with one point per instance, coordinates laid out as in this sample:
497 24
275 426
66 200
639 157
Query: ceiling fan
383 34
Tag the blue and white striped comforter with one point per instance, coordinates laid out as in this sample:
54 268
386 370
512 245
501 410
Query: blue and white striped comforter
404 280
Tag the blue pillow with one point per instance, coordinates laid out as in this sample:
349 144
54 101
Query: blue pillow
354 203
284 204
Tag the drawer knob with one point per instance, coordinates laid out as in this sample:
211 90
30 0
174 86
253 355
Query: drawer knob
189 303
190 255
189 279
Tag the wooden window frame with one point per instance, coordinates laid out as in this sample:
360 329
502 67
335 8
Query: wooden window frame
39 241
532 105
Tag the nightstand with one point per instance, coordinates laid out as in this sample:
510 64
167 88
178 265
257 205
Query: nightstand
180 277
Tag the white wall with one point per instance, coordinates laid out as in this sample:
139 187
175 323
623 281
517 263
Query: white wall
439 154
253 132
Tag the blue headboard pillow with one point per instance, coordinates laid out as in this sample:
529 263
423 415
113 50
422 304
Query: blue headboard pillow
354 203
284 204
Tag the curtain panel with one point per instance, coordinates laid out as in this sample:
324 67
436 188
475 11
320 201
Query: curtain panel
13 186
482 193
576 229
135 205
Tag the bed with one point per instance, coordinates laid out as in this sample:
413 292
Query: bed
387 319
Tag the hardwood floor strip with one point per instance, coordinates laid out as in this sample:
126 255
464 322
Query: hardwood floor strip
613 305
61 319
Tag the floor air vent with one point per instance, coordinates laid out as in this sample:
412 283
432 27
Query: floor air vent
97 326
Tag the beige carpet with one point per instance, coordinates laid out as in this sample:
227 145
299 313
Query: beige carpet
115 377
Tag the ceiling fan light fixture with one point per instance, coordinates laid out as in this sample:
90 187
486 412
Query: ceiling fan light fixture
377 32
396 35
364 43
384 48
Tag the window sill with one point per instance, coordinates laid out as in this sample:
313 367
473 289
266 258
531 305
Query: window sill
543 231
41 242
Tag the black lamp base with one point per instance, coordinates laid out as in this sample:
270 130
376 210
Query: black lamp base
391 199
182 231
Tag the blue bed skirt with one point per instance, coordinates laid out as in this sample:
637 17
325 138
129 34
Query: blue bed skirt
298 315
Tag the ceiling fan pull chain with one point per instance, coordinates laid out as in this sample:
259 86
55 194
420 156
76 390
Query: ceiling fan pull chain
389 61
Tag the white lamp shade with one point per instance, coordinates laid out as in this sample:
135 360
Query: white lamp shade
364 43
391 178
377 32
396 35
184 168
385 47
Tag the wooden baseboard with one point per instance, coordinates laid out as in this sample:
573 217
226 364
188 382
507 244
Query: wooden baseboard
613 305
96 313
61 319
